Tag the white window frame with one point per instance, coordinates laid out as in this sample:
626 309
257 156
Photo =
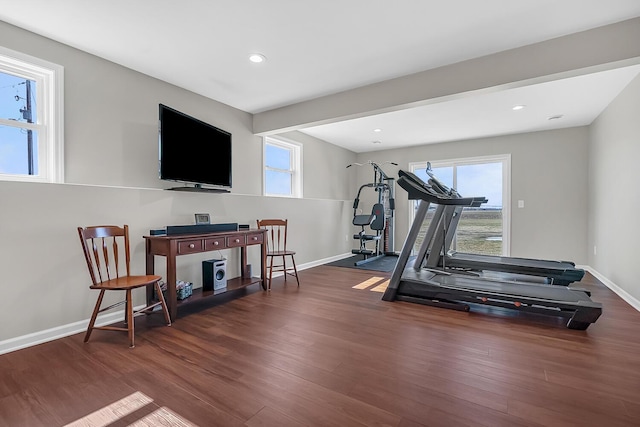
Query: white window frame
49 78
505 159
295 153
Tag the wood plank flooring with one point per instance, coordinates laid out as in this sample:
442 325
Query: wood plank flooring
332 353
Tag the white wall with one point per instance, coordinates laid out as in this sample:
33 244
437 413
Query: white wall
548 171
614 204
111 177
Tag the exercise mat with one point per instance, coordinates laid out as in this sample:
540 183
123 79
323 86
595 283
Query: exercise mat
385 263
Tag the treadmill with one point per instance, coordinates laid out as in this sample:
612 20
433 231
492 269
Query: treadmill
561 273
455 291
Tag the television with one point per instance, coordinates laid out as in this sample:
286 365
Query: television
193 152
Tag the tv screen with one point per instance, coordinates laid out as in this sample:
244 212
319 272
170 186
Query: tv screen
193 151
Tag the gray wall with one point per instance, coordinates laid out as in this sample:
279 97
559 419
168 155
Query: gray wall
548 171
614 229
111 178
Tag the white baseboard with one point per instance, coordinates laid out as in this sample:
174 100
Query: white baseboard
40 337
47 335
316 263
324 261
631 300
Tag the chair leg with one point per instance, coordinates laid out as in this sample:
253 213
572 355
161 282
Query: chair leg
284 268
293 261
270 273
126 310
165 310
130 322
96 310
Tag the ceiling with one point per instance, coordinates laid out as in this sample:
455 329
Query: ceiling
326 47
570 102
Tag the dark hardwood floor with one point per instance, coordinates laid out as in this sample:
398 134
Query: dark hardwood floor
330 354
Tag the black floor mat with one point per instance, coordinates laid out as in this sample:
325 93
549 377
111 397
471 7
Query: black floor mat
386 263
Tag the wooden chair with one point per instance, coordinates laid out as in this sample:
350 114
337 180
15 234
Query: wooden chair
103 254
277 248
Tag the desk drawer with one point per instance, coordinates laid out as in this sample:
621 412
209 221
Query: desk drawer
215 244
254 239
235 241
190 246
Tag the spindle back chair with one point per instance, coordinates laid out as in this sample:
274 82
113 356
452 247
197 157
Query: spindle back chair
277 248
106 251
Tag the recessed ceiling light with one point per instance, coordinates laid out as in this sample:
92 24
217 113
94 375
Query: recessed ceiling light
377 142
556 117
257 58
377 130
518 107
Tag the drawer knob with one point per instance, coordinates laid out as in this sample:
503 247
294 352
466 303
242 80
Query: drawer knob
237 240
216 243
255 238
192 246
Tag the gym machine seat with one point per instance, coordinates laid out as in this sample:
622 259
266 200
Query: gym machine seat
372 222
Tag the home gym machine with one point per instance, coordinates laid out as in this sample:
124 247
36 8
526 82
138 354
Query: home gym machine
381 220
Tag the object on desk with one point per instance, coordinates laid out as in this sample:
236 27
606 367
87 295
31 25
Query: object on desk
247 270
214 274
157 232
203 218
184 289
201 228
243 226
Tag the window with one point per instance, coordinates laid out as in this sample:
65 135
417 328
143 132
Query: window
282 168
483 230
31 118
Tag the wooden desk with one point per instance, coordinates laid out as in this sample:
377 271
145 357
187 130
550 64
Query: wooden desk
185 244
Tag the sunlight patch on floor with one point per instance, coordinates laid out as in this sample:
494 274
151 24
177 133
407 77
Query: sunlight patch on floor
381 287
163 417
369 282
127 405
115 411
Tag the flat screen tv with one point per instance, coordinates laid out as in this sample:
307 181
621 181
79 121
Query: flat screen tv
193 152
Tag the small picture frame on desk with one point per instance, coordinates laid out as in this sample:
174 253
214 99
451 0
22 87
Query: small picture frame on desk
202 218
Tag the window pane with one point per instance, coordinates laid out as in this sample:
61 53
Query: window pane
445 175
14 150
480 229
278 183
482 180
422 174
14 104
277 157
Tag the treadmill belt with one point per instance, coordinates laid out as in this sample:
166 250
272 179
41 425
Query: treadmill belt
525 262
514 291
555 269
